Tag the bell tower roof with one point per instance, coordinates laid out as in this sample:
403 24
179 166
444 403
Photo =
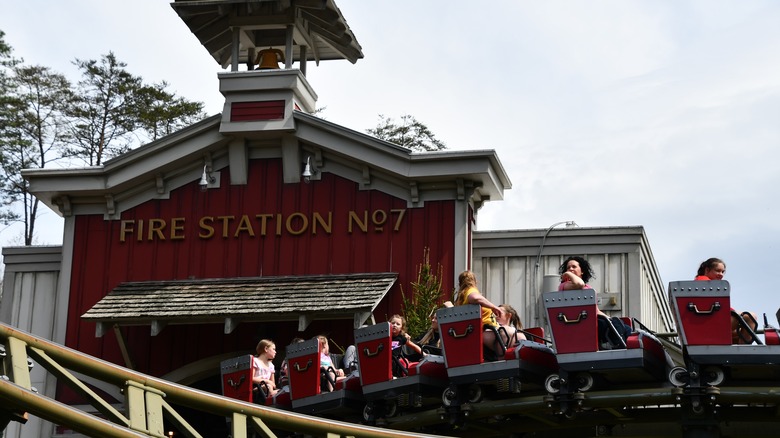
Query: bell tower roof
234 31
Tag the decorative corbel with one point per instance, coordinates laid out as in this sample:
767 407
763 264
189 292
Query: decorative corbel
414 192
101 328
461 189
110 205
366 176
361 317
230 325
160 183
303 322
158 326
318 158
63 203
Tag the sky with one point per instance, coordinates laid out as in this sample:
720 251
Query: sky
659 113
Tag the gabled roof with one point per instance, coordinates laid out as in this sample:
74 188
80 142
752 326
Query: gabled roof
232 300
317 25
152 171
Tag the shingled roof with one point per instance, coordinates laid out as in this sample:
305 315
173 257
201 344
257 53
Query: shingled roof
318 25
232 300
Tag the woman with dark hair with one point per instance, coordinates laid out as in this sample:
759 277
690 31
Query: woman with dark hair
711 269
714 269
575 274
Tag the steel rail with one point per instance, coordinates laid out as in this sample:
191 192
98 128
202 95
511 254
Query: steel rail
181 395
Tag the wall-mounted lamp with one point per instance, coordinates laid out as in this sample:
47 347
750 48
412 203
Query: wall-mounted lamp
208 179
307 170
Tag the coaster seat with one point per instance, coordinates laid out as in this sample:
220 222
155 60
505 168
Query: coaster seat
584 361
306 384
471 376
703 313
419 386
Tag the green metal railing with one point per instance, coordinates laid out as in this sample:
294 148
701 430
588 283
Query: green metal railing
150 404
148 400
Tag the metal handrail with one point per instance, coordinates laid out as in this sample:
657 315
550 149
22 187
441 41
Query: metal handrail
56 412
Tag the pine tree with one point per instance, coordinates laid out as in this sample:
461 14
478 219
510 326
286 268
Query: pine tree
426 296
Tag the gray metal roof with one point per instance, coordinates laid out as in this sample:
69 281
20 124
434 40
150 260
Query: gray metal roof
287 298
153 170
317 24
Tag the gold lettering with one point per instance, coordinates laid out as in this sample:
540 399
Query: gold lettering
296 224
318 219
205 226
125 227
304 224
379 218
177 228
225 222
156 226
353 217
244 225
401 212
263 221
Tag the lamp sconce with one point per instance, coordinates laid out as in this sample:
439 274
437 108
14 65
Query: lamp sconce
307 173
209 179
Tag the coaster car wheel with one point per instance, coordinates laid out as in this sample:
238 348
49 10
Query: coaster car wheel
583 381
679 377
713 376
553 384
391 408
368 412
448 397
475 393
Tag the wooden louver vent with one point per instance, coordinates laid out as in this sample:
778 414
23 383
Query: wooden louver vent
254 111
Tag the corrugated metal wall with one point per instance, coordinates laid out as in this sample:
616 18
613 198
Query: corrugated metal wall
30 303
505 263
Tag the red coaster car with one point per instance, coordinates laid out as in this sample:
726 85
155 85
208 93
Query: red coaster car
237 377
308 383
419 385
237 383
471 377
703 312
573 319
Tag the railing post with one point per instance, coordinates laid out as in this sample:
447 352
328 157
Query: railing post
238 425
20 369
154 412
145 408
136 405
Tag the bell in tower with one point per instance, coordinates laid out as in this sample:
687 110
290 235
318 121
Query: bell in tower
276 37
269 59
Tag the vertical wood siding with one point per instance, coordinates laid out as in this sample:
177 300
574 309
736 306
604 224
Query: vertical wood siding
101 261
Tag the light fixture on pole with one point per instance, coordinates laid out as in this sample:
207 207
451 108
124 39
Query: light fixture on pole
569 224
208 179
307 170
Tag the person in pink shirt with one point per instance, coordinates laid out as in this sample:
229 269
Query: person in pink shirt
264 366
575 273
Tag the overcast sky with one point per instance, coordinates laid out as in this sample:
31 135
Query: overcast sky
664 114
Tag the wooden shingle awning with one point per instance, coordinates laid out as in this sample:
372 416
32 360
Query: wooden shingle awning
233 300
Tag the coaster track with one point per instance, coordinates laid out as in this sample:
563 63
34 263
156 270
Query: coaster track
736 409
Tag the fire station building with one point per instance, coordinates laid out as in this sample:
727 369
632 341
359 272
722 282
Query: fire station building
266 221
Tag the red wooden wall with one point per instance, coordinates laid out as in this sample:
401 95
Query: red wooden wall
101 260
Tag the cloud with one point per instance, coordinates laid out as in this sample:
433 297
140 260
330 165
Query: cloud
661 113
